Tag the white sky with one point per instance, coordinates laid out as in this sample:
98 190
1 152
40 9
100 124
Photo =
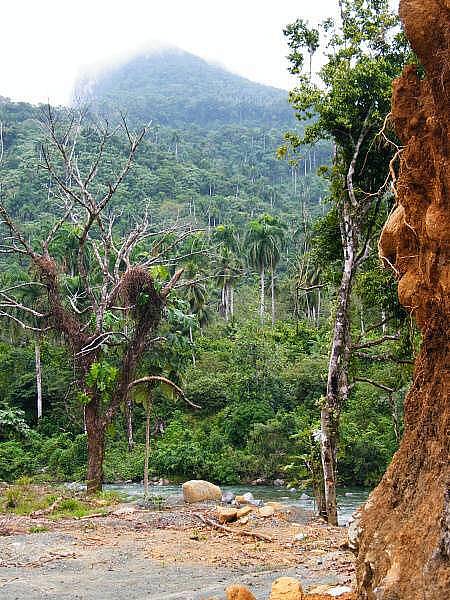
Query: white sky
46 44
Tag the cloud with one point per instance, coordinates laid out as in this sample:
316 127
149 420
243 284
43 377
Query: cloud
51 42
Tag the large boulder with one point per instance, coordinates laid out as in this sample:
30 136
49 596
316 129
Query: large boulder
198 490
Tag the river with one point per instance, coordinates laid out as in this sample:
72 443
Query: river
349 499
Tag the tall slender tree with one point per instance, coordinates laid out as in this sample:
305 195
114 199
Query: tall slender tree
364 53
264 241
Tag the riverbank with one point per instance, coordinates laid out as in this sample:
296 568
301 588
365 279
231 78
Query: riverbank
124 551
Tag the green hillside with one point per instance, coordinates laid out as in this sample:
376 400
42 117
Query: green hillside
177 89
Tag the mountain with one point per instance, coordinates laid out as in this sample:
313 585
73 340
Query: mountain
175 88
210 151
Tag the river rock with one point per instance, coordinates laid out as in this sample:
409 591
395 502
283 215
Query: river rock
125 509
226 514
339 590
304 497
74 486
239 592
259 481
266 511
286 588
198 490
174 500
278 482
244 511
246 498
227 497
299 537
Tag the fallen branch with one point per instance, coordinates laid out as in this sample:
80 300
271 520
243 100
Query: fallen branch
47 511
93 516
215 525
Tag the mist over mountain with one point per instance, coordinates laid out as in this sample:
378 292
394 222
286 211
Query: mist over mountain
174 88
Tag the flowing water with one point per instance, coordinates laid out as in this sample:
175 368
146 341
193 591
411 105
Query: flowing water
349 499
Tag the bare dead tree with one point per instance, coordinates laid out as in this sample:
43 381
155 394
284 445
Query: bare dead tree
116 305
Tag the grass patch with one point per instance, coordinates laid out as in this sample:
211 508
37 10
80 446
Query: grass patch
38 529
24 498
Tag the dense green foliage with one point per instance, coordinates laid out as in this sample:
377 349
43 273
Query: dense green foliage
209 158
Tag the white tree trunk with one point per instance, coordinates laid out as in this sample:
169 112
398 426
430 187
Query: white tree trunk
37 355
337 382
147 446
272 294
262 296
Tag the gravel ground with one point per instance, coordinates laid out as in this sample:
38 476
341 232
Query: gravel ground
161 556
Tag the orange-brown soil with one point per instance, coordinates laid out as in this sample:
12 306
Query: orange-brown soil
404 542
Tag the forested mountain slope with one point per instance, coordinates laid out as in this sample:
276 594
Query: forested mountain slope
177 89
210 150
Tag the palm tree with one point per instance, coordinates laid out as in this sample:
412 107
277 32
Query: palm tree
229 267
264 241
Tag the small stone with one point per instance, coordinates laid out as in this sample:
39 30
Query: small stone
304 497
348 494
259 481
286 588
174 500
124 510
299 537
246 498
227 497
339 590
239 592
320 589
74 486
226 514
266 511
278 482
244 511
292 490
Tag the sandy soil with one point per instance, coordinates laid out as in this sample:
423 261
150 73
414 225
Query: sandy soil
163 555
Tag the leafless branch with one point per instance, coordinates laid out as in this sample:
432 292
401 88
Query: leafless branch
377 342
383 358
375 383
22 324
